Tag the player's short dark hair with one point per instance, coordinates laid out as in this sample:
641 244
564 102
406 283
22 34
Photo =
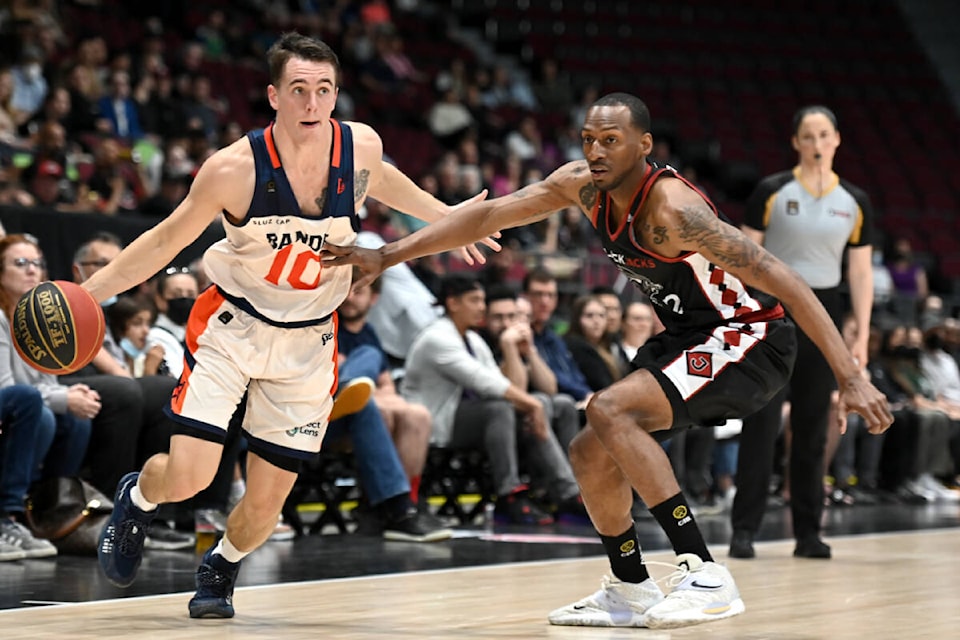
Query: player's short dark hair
810 109
295 45
639 114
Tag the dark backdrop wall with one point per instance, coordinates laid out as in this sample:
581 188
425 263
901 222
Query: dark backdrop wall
60 234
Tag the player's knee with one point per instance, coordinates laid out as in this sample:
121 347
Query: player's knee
580 447
185 485
262 505
601 411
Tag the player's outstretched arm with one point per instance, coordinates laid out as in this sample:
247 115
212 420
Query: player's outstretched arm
399 192
212 191
475 221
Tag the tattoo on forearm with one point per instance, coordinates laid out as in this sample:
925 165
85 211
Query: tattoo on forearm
321 200
660 235
729 245
588 196
360 180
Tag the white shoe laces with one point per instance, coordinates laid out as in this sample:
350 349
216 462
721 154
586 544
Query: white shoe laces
675 578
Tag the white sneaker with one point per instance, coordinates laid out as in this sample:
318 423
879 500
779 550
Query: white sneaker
18 536
937 490
616 604
10 552
704 591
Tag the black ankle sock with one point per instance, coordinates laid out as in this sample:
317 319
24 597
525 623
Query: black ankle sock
624 553
677 522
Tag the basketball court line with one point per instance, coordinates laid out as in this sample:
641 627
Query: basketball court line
718 550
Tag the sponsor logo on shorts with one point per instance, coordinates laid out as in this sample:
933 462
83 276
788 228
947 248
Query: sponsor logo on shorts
311 430
325 338
225 317
700 364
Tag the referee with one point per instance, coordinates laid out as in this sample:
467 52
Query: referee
807 217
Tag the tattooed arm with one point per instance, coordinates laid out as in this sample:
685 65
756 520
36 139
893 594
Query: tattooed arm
692 226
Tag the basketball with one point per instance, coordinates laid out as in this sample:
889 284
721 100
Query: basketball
57 327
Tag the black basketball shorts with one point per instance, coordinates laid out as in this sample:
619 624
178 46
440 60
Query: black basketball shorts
720 373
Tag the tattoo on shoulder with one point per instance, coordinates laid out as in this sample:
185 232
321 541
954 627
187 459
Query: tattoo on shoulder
321 199
700 226
588 196
660 235
360 180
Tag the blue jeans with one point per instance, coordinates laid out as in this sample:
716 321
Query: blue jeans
71 436
365 360
23 444
381 473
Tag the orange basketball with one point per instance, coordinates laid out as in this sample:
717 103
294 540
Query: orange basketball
57 327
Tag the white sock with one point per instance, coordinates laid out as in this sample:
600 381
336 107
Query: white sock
137 497
229 552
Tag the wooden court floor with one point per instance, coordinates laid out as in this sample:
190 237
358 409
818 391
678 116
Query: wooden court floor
878 586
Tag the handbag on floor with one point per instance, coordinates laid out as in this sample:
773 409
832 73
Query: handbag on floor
69 512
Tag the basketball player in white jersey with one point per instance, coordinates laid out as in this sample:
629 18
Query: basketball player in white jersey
268 327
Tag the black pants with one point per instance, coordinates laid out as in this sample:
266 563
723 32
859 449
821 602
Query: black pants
809 391
130 427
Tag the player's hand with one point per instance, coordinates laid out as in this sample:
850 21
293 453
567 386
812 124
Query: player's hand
859 396
369 261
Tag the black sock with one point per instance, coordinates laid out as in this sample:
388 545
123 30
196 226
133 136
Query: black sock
677 522
624 553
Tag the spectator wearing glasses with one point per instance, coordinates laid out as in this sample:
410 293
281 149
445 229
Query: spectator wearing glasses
62 426
540 288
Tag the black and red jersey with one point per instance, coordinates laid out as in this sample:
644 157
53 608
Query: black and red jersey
688 292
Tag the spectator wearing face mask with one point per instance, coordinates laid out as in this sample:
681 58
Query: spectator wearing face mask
129 319
177 290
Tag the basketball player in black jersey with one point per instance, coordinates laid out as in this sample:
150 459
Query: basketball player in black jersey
728 347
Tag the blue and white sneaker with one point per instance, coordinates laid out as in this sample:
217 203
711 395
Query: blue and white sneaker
215 580
121 541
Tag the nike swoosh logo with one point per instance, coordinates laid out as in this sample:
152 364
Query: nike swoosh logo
705 586
578 607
